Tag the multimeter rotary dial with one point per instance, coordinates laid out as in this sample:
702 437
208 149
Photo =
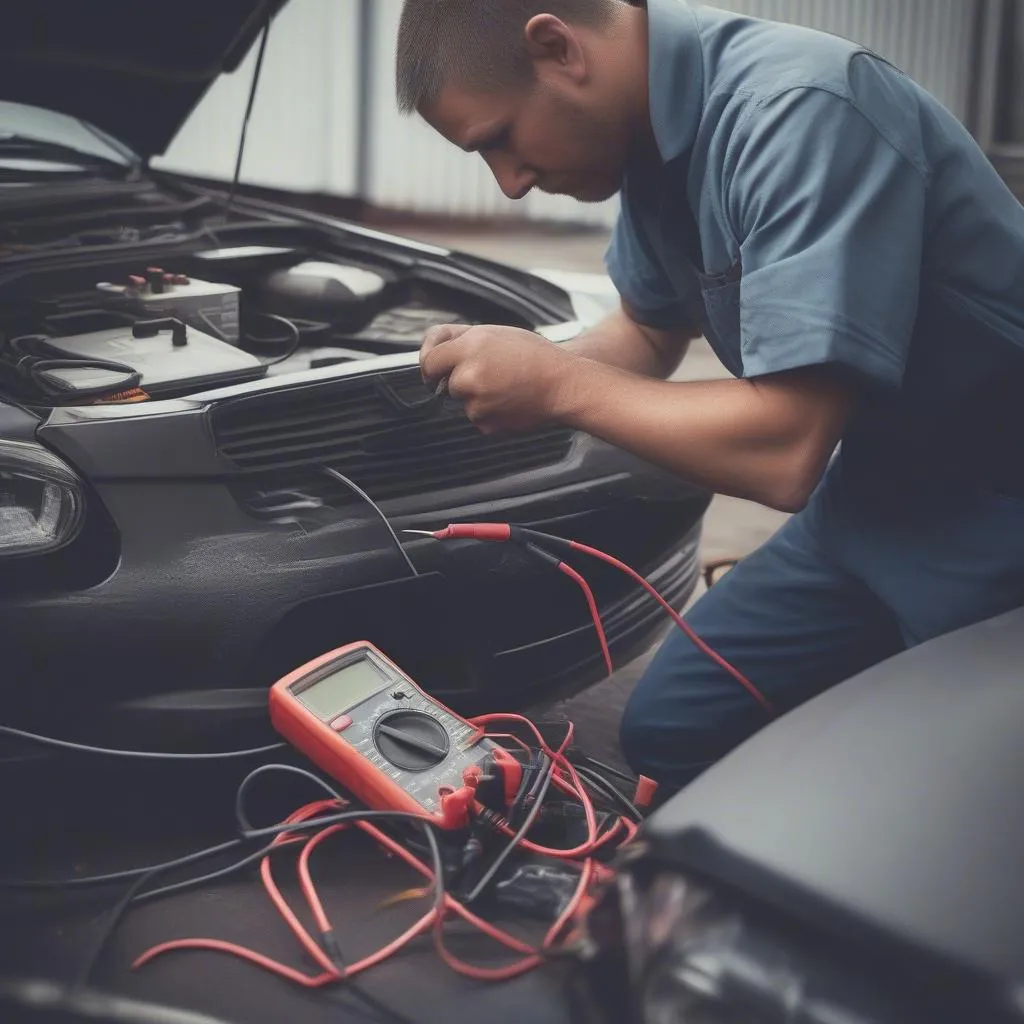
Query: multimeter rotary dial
411 740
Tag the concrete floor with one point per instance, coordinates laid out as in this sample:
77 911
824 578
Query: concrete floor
732 528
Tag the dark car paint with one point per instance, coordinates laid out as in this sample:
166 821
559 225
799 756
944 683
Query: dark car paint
883 815
187 553
17 424
135 71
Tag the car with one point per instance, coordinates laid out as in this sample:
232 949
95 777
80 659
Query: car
857 860
192 378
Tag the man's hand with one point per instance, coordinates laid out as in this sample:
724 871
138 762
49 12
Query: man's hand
506 378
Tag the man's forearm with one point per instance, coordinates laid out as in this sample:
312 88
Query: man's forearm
764 441
618 341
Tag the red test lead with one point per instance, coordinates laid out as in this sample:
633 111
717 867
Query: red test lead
532 539
469 531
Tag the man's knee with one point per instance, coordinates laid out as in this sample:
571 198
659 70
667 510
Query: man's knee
682 717
659 735
636 731
665 751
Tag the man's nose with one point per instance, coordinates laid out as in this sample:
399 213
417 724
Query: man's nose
513 179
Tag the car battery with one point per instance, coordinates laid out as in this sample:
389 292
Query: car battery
171 358
205 305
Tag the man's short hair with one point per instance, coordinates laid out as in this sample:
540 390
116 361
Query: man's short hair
477 44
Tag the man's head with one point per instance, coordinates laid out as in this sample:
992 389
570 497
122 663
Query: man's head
552 93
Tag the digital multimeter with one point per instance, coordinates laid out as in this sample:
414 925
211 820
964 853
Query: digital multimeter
362 720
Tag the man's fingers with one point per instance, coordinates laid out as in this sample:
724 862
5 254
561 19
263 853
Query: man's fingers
438 336
440 333
462 380
442 358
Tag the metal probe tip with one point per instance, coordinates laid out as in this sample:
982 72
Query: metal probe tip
420 533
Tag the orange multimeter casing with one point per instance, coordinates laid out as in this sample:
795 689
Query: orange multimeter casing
364 722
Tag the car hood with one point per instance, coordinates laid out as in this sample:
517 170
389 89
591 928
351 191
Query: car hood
134 70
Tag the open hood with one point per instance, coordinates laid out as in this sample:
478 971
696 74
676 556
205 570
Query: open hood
135 70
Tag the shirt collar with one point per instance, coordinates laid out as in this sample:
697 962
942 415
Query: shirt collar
675 76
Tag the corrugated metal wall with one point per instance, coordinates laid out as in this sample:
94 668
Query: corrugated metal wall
1012 132
304 128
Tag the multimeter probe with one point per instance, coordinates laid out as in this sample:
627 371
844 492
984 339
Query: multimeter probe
536 542
464 783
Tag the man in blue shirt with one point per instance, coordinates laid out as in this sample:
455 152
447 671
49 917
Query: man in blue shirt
854 261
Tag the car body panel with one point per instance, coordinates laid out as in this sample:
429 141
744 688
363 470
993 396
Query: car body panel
884 812
74 58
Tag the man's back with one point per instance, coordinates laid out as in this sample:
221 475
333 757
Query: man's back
845 217
974 226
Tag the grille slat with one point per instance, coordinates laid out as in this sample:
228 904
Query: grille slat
293 427
385 469
285 416
395 471
356 434
333 447
416 452
281 442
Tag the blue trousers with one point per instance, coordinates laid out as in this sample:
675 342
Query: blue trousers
857 576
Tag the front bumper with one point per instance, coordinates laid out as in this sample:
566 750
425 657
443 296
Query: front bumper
203 606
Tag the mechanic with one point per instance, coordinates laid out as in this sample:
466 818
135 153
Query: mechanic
856 264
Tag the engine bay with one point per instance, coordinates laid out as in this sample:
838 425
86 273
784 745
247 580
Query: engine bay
240 304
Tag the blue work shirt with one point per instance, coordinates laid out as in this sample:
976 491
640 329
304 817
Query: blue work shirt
815 206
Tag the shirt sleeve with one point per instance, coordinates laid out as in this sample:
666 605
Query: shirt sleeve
831 222
638 276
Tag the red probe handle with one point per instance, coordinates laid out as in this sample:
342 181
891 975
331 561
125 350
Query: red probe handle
512 773
475 531
455 807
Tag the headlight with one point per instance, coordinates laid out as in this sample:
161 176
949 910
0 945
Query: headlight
41 500
689 964
687 954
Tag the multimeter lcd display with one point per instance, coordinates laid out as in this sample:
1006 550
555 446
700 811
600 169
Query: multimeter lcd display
343 689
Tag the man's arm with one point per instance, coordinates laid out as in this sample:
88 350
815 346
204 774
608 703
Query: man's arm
766 440
828 196
620 340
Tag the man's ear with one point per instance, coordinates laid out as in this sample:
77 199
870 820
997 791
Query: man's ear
550 40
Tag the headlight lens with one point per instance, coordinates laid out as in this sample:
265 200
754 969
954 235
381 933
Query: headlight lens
680 939
42 503
696 956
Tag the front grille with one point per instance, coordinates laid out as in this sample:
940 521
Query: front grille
281 441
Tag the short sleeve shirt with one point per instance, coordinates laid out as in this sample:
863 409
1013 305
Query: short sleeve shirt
815 206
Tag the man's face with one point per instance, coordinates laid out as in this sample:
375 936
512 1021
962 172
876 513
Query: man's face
539 137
